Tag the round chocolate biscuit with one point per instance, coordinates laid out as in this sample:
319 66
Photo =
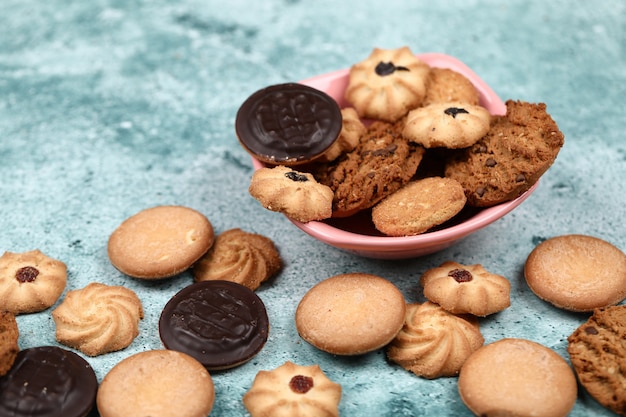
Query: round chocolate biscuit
220 323
48 381
288 124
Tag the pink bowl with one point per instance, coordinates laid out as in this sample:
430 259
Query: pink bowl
357 234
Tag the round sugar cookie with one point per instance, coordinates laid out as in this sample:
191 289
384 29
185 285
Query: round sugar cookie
156 383
351 314
517 377
577 272
160 242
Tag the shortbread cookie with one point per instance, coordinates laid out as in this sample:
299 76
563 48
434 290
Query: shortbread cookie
517 377
519 147
434 343
48 381
387 84
597 350
382 163
30 281
419 206
351 314
466 289
445 85
577 272
295 194
239 256
351 131
160 242
9 334
98 318
452 125
293 391
163 383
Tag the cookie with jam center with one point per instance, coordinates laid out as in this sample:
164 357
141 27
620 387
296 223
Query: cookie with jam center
288 124
221 324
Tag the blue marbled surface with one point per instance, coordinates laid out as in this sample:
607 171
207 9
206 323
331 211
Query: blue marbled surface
108 107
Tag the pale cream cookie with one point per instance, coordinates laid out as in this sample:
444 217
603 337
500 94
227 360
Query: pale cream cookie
351 130
466 289
445 85
30 281
434 343
293 391
295 194
387 84
98 318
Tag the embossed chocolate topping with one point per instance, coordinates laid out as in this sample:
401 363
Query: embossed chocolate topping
220 323
288 124
48 381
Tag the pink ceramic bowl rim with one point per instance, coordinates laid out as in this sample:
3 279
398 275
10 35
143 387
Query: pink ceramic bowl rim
334 84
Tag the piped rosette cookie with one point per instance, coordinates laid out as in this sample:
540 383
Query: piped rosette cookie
98 318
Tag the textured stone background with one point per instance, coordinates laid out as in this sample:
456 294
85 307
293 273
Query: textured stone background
108 107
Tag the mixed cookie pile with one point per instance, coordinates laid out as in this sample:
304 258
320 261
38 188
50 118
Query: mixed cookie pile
414 145
218 322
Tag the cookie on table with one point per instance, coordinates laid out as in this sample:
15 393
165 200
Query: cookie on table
382 162
295 194
577 272
293 391
30 281
160 242
445 85
98 318
434 343
517 377
163 383
239 256
351 130
466 289
451 125
518 148
419 206
387 84
351 314
597 350
9 334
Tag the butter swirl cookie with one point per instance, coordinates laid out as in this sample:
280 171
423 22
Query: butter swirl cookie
98 318
30 281
466 289
239 256
295 194
351 130
293 391
387 84
452 125
434 343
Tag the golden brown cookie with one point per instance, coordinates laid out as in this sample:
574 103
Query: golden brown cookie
597 350
98 318
160 242
419 206
382 162
351 131
518 148
517 377
293 391
451 125
387 84
9 334
295 194
577 272
466 289
434 343
239 256
163 383
351 314
30 281
445 85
